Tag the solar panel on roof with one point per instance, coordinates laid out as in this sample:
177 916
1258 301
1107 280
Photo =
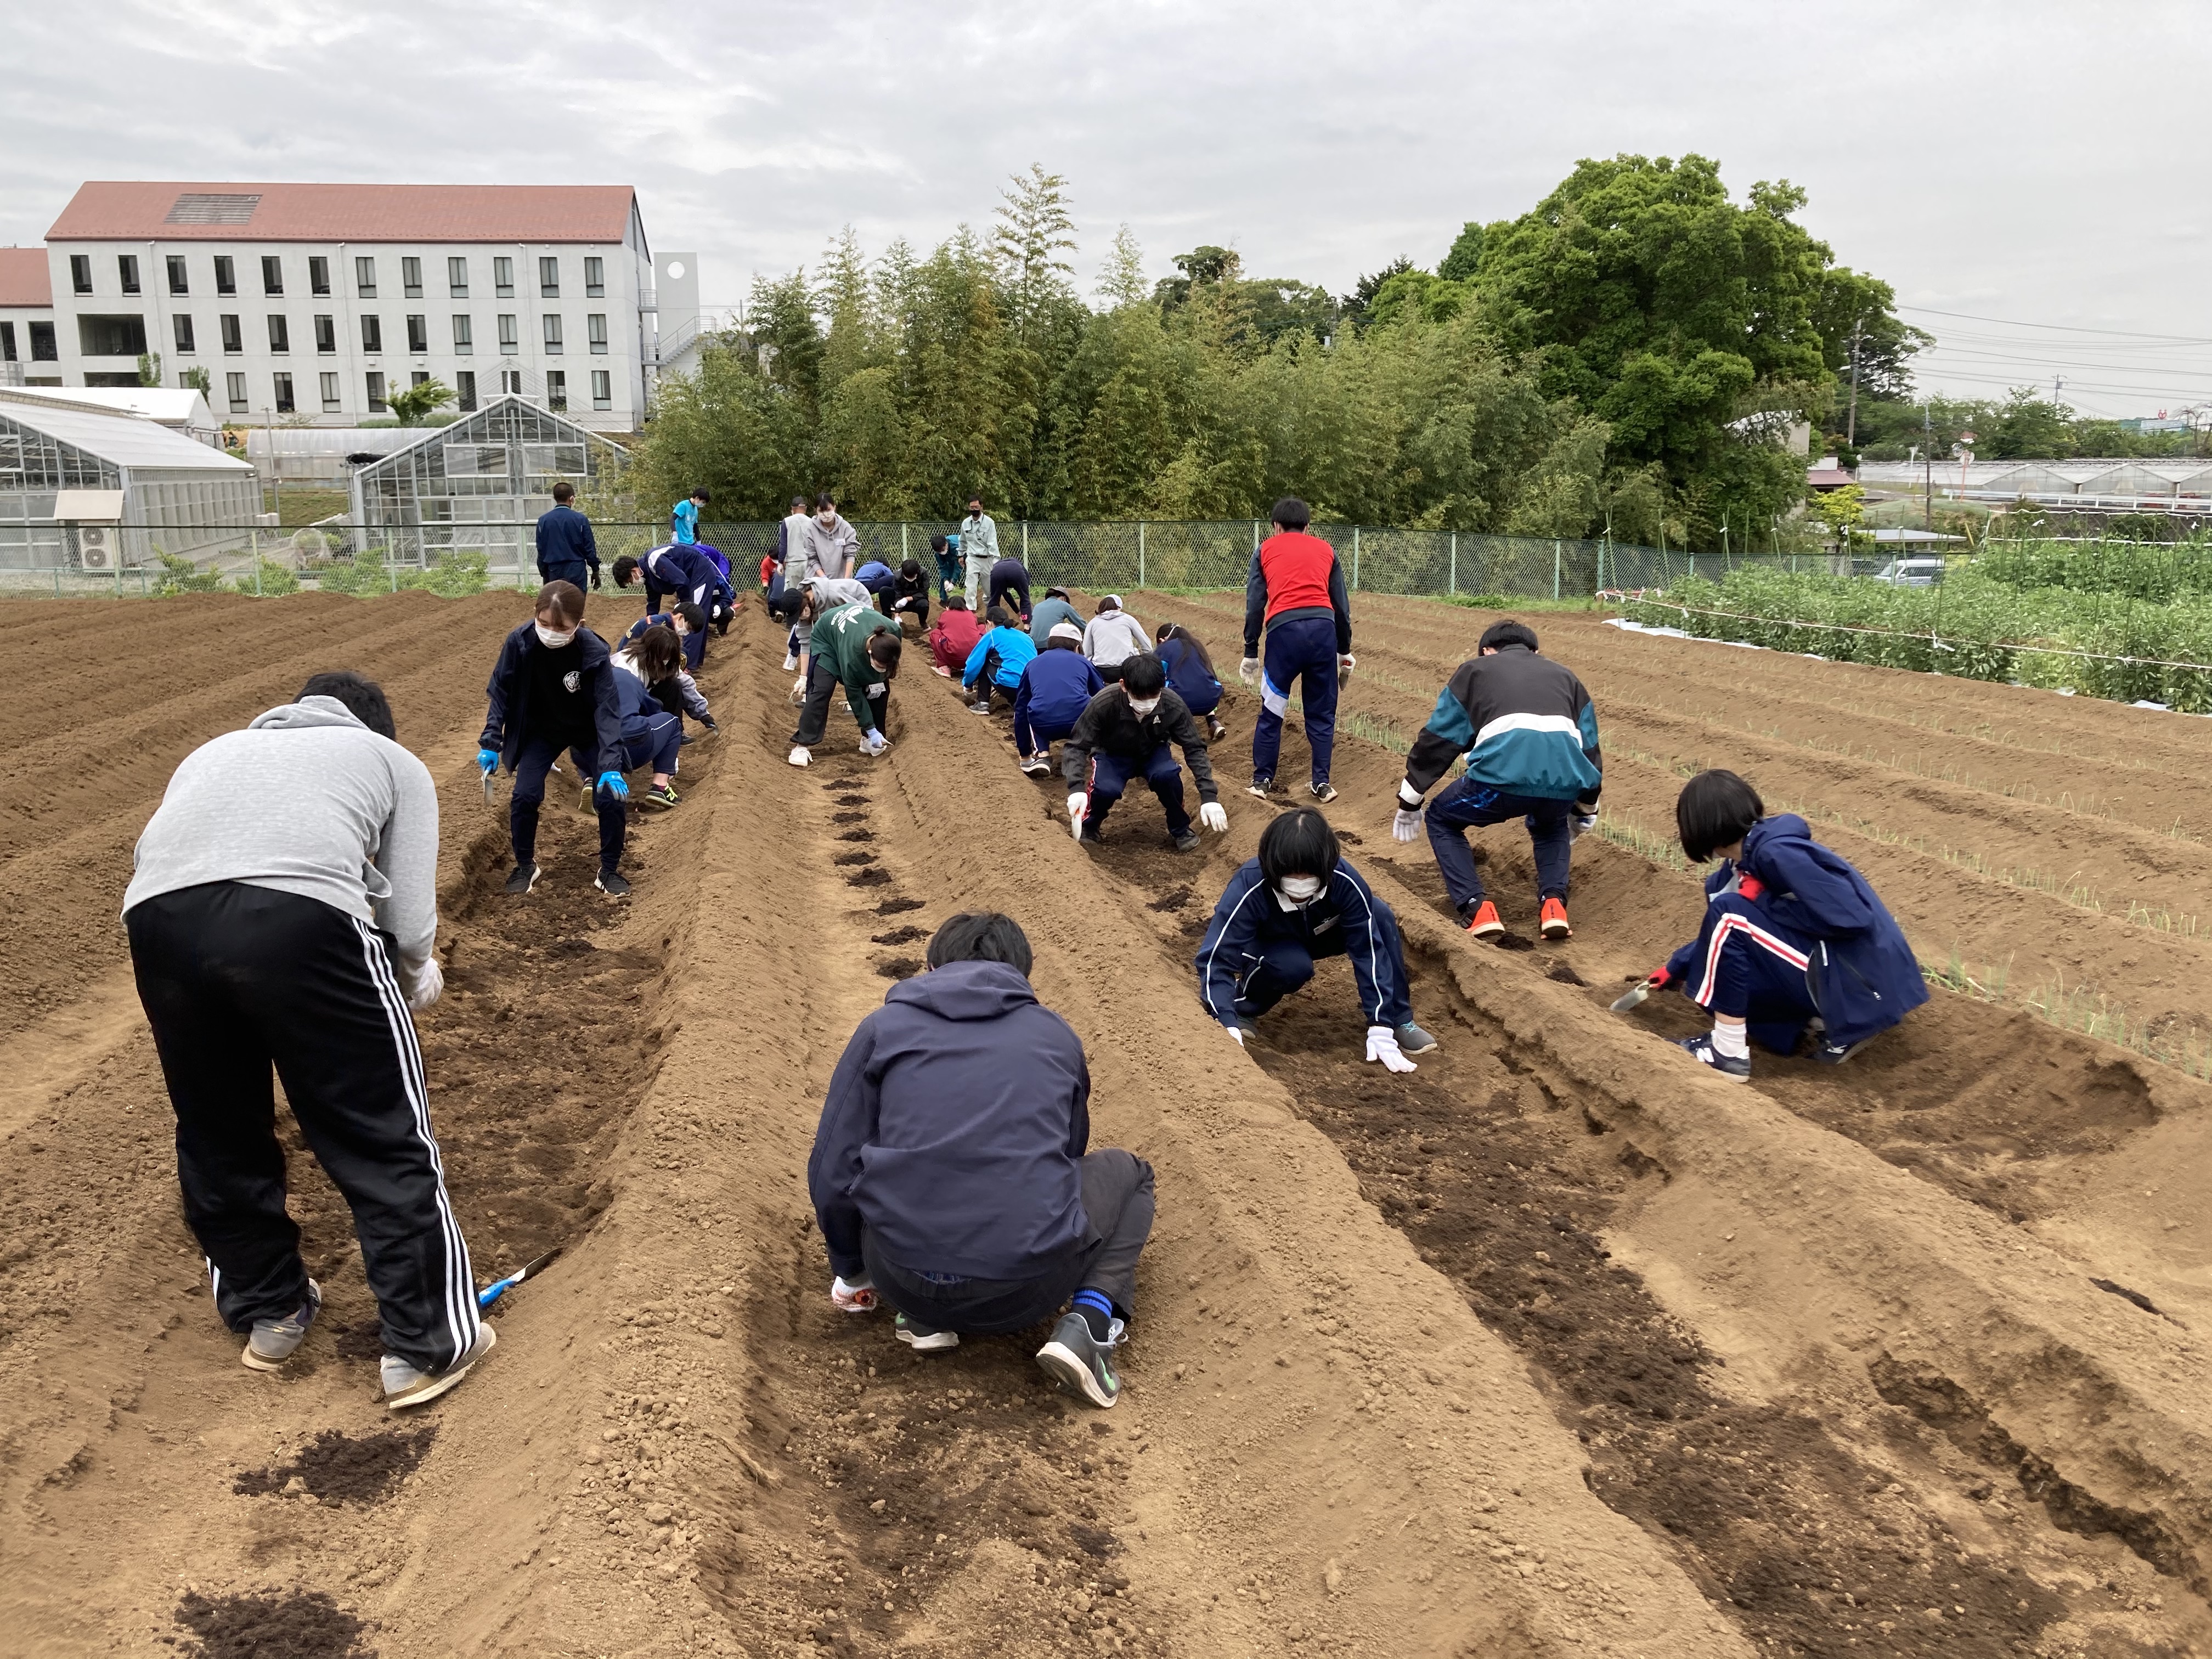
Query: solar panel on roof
202 209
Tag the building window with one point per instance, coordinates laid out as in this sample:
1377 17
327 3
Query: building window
44 347
178 282
284 404
509 341
502 277
280 334
418 334
318 275
420 377
234 338
112 337
7 343
364 276
410 277
603 389
595 328
464 390
331 392
272 274
326 334
457 276
595 278
226 274
510 380
80 272
376 403
236 385
556 389
552 334
549 277
464 336
126 272
372 334
183 323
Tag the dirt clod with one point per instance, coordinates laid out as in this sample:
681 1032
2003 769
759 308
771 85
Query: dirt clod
894 907
292 1624
875 878
1565 975
858 835
853 858
336 1467
900 967
1172 900
905 935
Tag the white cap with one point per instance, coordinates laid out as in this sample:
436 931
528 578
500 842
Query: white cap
1065 631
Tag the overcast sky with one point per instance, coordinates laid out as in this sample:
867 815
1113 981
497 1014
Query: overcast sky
2031 162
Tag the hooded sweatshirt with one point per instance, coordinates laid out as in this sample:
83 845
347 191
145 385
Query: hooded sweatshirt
830 551
306 800
829 594
952 1131
1047 611
1114 637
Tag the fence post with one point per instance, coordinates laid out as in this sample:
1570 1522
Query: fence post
257 575
901 541
1355 555
1454 562
1140 553
1555 570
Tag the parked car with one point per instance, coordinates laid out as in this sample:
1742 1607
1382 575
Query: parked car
1911 572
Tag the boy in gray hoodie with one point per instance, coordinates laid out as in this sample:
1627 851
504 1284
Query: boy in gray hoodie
282 912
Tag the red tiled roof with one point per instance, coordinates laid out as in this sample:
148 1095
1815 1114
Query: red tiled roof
23 279
106 210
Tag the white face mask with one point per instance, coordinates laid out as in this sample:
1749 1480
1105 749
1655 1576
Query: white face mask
825 520
553 639
1299 889
1143 705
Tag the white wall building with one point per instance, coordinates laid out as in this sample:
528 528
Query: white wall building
28 352
317 302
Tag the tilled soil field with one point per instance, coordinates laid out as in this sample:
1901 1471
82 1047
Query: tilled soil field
1556 1347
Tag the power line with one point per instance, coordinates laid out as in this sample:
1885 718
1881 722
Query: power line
2060 328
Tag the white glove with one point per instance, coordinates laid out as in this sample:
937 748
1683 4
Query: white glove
1404 824
425 984
1383 1045
1346 662
874 743
1249 671
799 691
1580 825
1213 818
859 1297
1236 1031
1076 804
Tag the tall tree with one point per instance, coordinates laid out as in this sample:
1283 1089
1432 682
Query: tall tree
1122 282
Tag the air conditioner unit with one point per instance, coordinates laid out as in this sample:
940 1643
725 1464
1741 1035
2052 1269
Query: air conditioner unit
96 546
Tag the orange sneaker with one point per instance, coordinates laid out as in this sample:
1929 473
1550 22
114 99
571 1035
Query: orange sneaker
1484 923
1552 921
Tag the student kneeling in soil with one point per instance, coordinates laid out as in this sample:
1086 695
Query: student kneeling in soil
1124 733
554 688
1296 901
1793 937
994 665
283 911
798 605
1056 687
1529 735
858 647
950 1173
651 735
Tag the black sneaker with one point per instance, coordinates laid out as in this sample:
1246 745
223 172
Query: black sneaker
1324 791
612 883
1701 1049
1090 837
980 706
923 1339
1260 786
1036 766
522 880
1187 841
1079 1363
1413 1040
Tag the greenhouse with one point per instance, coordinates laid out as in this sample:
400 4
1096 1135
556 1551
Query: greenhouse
178 496
476 487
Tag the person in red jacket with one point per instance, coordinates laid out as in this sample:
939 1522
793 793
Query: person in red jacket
954 636
1295 590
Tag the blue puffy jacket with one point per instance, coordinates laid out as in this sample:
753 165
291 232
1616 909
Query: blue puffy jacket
1016 650
1863 975
1056 687
952 1131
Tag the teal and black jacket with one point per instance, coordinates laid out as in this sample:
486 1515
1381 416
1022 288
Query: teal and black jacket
1524 723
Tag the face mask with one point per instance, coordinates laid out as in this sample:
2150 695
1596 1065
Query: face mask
825 520
553 640
1143 705
1299 889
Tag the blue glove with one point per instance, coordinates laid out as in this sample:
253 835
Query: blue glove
487 759
613 783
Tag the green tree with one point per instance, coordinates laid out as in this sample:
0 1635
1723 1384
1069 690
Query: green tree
149 368
1465 255
413 406
197 379
1122 282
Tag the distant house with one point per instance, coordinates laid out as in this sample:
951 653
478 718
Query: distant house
29 355
1826 475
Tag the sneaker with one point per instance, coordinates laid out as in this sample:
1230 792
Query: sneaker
1413 1040
1484 923
980 706
275 1340
798 756
1260 786
790 661
1701 1049
659 800
1324 791
1215 731
1245 1025
524 877
1835 1053
404 1386
1551 920
1086 836
942 673
923 1339
612 883
1036 766
1079 1363
1187 841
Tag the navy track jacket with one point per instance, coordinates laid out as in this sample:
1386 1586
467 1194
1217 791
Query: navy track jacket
565 540
1524 723
1056 687
953 1131
1863 975
1250 914
509 719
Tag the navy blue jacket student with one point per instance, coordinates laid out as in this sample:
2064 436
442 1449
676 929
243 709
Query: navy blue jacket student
1189 676
544 699
694 643
1791 931
677 572
1260 947
566 552
1529 734
950 1165
1057 685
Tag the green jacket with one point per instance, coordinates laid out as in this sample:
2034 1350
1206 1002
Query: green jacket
841 639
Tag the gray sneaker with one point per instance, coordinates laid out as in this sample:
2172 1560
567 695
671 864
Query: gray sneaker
275 1340
923 1339
1413 1040
1079 1363
404 1386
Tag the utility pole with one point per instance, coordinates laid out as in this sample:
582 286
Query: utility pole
1852 420
1928 465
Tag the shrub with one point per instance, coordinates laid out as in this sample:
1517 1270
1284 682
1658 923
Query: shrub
181 575
269 578
455 575
362 576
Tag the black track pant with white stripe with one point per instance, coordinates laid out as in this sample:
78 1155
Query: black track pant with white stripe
236 979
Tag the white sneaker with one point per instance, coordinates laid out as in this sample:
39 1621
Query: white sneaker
790 661
404 1386
798 756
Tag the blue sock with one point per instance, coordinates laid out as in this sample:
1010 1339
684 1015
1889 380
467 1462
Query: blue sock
1097 1311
